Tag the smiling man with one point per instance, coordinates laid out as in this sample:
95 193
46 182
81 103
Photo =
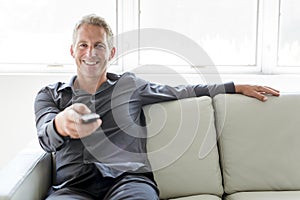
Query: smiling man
106 158
92 49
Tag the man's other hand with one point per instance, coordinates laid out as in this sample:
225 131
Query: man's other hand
256 91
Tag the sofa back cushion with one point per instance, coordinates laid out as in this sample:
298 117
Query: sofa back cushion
259 142
182 147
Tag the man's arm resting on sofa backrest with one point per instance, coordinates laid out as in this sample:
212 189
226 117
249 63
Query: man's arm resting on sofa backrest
27 176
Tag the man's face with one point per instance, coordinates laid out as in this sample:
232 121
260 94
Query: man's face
91 51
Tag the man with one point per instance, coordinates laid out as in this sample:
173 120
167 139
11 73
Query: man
106 159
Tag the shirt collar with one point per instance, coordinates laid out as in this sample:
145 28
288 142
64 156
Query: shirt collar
67 85
111 80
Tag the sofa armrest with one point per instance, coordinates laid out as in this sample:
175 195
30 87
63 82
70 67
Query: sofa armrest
27 176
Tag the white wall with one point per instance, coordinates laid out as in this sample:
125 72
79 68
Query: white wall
17 118
19 90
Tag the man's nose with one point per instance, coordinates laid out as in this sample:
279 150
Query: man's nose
91 52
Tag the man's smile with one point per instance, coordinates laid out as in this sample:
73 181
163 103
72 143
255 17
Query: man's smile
90 62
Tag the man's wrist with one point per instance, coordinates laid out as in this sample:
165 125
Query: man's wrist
56 139
238 89
57 126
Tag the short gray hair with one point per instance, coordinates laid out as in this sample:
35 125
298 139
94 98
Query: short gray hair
97 21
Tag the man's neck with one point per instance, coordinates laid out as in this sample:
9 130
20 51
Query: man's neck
89 85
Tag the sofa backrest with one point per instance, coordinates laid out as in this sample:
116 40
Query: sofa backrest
259 142
182 147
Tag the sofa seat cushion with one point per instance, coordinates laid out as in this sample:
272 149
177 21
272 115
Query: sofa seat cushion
199 197
275 195
182 147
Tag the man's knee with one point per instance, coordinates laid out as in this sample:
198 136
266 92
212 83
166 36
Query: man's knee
68 194
134 190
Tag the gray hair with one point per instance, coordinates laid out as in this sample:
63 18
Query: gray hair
97 21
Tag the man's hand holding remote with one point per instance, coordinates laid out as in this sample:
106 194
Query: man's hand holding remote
70 122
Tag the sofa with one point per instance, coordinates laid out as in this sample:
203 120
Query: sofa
228 147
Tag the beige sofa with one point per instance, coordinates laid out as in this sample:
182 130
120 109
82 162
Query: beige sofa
230 147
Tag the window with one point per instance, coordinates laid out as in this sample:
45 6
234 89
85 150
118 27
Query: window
249 36
289 33
226 30
39 33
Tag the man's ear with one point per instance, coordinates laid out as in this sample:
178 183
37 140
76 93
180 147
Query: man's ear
112 53
72 51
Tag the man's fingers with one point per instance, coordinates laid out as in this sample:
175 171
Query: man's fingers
81 108
272 91
69 123
261 97
82 130
261 91
73 116
255 93
76 128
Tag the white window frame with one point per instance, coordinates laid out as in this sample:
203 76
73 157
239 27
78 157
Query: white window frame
231 69
128 18
134 23
282 69
267 31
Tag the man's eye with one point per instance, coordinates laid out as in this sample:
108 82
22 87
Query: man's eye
100 46
83 45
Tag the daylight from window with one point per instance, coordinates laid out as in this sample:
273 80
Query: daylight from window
40 32
235 34
289 32
228 39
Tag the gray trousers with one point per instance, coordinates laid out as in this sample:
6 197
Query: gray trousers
131 187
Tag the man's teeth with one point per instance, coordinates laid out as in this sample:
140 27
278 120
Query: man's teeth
90 63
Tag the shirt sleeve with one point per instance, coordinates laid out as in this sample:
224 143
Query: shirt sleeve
45 112
154 93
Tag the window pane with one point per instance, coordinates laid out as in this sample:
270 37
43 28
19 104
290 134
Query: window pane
289 33
40 31
225 29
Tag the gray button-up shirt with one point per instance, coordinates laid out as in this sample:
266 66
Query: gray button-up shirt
119 144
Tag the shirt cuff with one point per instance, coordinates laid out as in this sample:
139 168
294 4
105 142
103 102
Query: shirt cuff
56 139
229 88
